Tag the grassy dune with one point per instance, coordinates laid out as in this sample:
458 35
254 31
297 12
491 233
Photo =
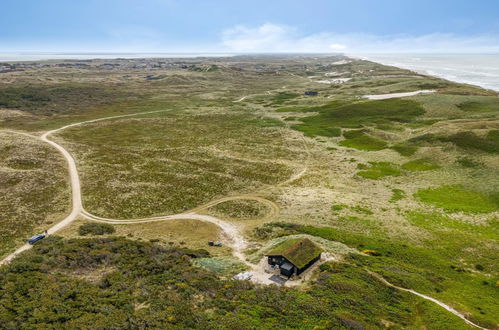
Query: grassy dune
173 162
412 182
33 189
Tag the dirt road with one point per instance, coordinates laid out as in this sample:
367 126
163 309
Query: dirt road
441 304
236 241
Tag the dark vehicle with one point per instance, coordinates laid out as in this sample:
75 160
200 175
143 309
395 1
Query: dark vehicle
311 93
36 238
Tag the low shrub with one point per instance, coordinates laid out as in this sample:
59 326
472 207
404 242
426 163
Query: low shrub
420 165
95 229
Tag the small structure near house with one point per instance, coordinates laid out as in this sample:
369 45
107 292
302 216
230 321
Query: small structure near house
311 93
244 276
294 256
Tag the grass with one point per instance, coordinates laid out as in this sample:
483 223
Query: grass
419 165
468 162
299 251
443 267
458 199
397 194
405 149
357 208
58 98
177 163
184 233
221 266
240 209
207 146
283 97
469 140
378 170
354 115
34 192
359 140
482 105
317 130
92 228
71 285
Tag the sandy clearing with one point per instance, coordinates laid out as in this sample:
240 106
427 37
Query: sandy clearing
395 95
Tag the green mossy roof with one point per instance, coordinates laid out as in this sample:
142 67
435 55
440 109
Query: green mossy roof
298 251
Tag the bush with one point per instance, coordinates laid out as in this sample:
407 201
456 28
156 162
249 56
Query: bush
405 149
361 141
96 229
469 140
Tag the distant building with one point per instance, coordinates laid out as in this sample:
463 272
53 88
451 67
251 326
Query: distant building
311 93
294 256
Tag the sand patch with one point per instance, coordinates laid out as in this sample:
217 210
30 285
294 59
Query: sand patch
395 95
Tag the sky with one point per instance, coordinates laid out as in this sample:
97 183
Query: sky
251 26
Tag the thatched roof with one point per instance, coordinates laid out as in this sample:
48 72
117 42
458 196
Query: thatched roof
298 251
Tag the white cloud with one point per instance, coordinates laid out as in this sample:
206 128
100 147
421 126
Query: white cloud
281 38
337 46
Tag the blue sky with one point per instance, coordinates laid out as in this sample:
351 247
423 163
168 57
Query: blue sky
351 26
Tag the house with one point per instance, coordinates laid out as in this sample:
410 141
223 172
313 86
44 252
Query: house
294 256
311 93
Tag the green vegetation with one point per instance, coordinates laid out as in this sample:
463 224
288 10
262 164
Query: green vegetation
378 170
420 165
469 140
56 99
206 144
317 130
457 198
405 149
221 266
299 251
468 162
283 97
397 194
443 267
359 140
93 228
33 189
241 209
357 208
353 115
483 105
66 284
179 162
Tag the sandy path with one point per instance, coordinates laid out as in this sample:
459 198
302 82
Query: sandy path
241 99
394 95
441 304
237 242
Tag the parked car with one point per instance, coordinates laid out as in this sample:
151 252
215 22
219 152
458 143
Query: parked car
36 238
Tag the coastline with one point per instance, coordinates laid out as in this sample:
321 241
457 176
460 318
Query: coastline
460 68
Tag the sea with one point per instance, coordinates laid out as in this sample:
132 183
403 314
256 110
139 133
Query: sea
476 69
